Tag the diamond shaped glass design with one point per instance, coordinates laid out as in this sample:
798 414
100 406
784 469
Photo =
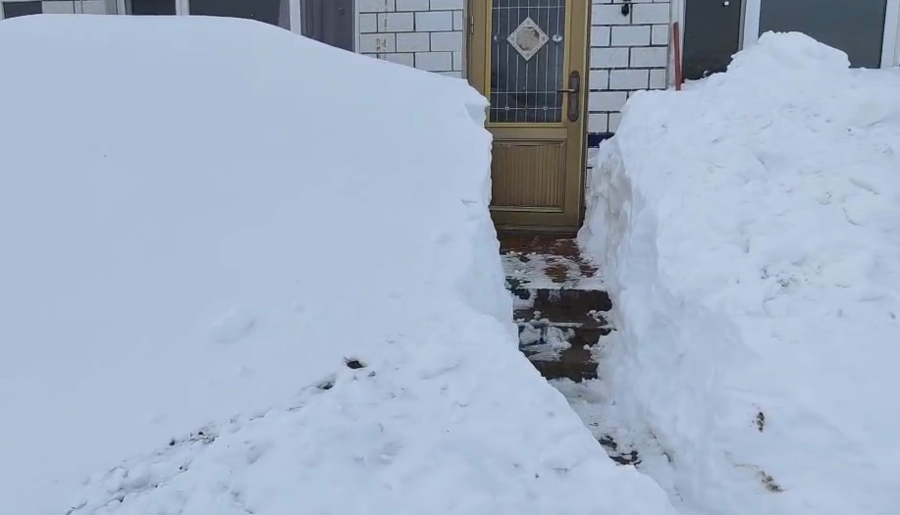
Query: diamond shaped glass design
528 38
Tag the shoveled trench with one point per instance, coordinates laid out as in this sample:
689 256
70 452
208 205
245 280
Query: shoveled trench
562 312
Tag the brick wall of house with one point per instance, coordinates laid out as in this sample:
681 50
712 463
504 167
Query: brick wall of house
628 53
425 34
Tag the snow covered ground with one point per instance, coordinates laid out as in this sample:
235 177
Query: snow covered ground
202 221
750 229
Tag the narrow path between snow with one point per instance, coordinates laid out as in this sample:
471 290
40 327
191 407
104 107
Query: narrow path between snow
564 314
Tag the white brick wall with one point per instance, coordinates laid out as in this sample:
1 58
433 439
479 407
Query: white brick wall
414 42
395 22
412 5
425 34
629 80
628 53
630 35
373 6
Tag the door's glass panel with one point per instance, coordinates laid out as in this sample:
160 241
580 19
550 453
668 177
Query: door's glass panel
273 12
16 9
528 44
151 7
854 26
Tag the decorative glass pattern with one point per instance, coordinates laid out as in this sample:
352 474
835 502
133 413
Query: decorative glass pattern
528 44
527 39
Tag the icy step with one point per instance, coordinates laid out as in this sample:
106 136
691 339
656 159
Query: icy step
575 363
560 339
560 304
554 298
561 349
546 331
580 314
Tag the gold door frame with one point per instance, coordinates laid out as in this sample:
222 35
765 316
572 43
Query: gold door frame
572 134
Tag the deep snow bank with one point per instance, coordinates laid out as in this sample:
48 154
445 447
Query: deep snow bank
751 229
201 219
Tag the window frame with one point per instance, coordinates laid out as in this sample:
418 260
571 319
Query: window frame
182 8
890 48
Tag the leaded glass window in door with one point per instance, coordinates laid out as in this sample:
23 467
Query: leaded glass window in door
528 44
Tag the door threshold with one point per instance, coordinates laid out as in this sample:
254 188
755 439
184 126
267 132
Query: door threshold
537 230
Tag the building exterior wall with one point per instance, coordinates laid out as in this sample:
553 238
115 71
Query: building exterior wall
58 7
425 34
629 52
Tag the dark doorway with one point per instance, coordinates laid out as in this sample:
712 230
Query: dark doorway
151 7
329 21
273 12
16 9
712 33
854 26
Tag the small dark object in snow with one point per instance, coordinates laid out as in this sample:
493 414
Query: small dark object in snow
171 442
769 482
760 421
515 286
630 458
326 385
354 364
608 442
620 457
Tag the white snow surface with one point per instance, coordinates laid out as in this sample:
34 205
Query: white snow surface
201 219
750 226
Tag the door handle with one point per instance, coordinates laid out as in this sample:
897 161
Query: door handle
574 106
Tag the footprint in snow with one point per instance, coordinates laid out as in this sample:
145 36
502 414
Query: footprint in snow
232 327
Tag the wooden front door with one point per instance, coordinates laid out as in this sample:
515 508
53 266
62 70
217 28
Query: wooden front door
529 57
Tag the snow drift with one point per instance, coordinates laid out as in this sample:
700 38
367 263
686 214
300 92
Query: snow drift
201 220
751 225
